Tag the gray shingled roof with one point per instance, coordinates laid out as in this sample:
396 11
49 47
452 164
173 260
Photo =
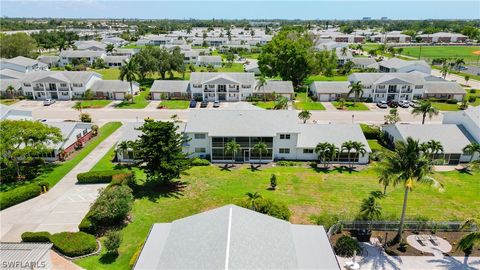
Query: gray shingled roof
364 61
48 59
11 74
111 86
438 132
232 237
444 87
311 134
386 78
116 58
170 86
400 63
130 133
330 87
242 77
23 61
279 87
209 59
4 83
81 53
66 76
8 112
12 253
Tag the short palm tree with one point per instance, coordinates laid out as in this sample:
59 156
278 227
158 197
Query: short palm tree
370 209
252 200
260 148
232 147
444 70
425 108
347 146
471 149
472 239
356 89
344 51
407 165
326 152
10 91
304 115
435 148
78 106
129 72
123 147
384 177
359 149
109 48
261 82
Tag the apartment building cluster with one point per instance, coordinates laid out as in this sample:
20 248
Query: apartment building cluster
34 80
395 79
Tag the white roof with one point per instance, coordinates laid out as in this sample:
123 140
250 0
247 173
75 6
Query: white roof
63 76
81 53
111 86
10 113
233 77
330 87
170 86
23 61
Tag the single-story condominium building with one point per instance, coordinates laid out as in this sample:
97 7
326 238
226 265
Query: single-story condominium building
74 134
399 65
170 89
232 237
443 37
68 57
452 137
10 113
329 91
22 64
206 60
113 89
469 119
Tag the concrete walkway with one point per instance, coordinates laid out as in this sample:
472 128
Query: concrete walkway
60 209
329 106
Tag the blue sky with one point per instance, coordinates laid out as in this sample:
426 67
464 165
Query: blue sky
229 9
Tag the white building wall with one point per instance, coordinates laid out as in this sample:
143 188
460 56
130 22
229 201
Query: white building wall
287 144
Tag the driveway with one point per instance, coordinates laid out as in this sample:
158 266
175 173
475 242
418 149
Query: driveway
60 209
460 79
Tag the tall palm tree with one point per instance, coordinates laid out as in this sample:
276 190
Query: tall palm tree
459 62
408 165
130 71
425 108
356 88
304 115
472 239
348 146
252 199
261 82
359 150
232 147
261 148
444 70
471 149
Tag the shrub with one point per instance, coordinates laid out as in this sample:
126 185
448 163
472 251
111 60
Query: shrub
87 225
19 195
200 162
346 246
273 182
286 163
103 176
402 246
74 244
112 241
85 117
271 208
371 132
36 237
326 220
112 206
451 101
472 99
472 91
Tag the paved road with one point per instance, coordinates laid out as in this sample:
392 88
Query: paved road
460 79
60 209
62 112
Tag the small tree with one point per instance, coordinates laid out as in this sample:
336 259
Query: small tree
260 148
304 115
112 242
467 78
232 147
273 182
253 199
85 117
357 90
88 95
392 117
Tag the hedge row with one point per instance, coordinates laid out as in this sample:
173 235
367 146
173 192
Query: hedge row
103 176
71 244
19 195
371 132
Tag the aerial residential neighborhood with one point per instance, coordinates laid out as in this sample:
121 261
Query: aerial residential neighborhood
240 135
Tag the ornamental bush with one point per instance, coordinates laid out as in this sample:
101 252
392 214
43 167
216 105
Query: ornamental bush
112 206
200 162
112 241
36 237
346 246
102 176
74 244
18 195
87 225
371 132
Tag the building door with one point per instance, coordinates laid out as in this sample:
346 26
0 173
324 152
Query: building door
246 155
53 95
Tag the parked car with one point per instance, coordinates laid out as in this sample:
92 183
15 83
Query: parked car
382 104
193 103
48 102
216 104
414 103
204 104
392 104
404 103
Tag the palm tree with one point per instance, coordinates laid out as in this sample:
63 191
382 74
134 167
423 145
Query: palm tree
252 199
261 148
232 147
262 81
304 115
471 149
435 147
359 150
444 70
109 48
407 165
425 108
370 209
472 239
129 71
10 91
326 152
384 177
344 51
78 106
281 103
123 146
62 44
348 145
356 88
459 62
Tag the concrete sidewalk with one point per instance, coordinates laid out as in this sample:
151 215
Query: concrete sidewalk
60 209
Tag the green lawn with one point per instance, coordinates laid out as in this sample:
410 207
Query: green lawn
359 106
108 73
313 78
465 52
175 104
95 104
140 101
265 104
8 101
57 172
305 190
304 102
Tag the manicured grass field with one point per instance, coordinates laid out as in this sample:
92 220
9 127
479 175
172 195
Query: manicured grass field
57 172
465 52
359 106
140 101
95 104
108 73
8 101
305 190
313 78
304 102
175 104
265 104
442 106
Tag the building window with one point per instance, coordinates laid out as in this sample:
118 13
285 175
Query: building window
308 151
197 86
246 86
27 84
284 150
63 85
199 136
200 150
418 86
77 85
284 136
